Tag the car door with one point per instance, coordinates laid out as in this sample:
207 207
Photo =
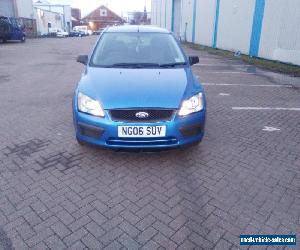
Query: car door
16 31
4 29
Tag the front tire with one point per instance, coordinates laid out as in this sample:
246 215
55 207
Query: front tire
23 39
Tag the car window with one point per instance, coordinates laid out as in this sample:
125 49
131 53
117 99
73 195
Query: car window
138 48
4 26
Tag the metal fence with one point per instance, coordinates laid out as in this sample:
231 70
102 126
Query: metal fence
30 26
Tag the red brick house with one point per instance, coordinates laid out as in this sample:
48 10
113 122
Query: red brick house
101 18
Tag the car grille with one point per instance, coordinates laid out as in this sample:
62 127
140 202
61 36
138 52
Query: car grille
137 142
129 115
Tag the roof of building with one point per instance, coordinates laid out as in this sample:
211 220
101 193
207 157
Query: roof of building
47 3
136 28
49 11
95 14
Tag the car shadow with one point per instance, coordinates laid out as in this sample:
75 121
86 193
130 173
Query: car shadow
9 43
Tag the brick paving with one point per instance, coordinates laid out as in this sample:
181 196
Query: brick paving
55 194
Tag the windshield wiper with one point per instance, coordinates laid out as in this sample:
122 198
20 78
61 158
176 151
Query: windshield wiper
168 65
135 65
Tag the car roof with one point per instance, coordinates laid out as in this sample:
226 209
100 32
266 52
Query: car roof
136 28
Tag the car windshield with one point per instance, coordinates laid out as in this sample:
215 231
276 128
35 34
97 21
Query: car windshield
137 50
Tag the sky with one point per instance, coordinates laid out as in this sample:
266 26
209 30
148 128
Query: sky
118 6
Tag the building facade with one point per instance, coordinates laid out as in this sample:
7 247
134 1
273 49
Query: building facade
76 13
24 9
47 20
260 28
101 18
76 16
64 11
7 8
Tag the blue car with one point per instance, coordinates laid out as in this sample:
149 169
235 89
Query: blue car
11 29
138 91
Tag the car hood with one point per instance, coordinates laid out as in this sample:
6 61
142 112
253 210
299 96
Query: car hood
136 88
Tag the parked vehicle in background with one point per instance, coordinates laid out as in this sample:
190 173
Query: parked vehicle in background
98 32
11 29
62 33
57 32
76 34
84 29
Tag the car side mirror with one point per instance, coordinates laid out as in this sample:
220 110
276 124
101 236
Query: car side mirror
193 60
83 59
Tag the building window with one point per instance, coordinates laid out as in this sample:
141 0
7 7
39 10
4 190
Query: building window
103 12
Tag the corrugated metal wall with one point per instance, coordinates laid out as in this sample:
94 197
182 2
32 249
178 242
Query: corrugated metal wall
6 8
25 8
280 37
263 28
16 8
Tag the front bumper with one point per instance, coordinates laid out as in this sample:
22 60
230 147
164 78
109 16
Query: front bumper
103 132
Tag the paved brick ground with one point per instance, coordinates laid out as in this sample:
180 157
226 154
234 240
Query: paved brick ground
56 194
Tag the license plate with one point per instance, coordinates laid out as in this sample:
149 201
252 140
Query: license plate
141 131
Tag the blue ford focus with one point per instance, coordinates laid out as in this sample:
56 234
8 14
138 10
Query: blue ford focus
138 91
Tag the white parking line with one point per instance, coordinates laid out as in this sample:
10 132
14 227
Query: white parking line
230 72
266 108
270 129
224 94
7 49
219 65
247 85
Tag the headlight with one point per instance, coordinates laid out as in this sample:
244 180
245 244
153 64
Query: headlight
89 105
192 105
